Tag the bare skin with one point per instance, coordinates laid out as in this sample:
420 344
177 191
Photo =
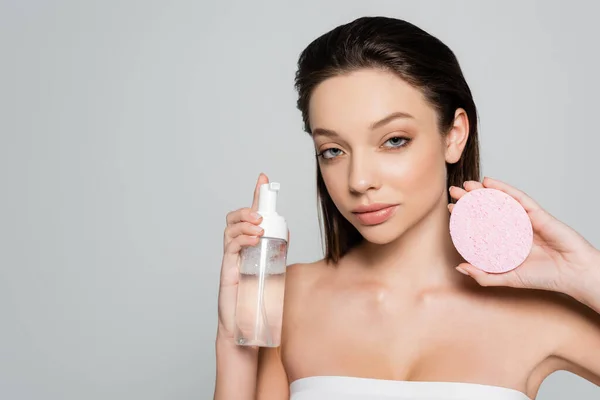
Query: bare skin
340 323
352 320
395 307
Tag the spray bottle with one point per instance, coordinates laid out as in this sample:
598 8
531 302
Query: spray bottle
259 308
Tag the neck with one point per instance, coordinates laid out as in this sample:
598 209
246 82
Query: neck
424 255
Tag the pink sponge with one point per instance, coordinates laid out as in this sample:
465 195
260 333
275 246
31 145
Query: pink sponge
491 230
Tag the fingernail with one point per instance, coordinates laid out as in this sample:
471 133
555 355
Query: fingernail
257 229
462 271
255 215
450 188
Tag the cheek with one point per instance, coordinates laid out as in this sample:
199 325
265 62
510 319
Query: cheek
334 182
420 171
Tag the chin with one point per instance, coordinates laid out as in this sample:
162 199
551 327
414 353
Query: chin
384 233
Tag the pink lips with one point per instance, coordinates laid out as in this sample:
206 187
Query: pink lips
374 214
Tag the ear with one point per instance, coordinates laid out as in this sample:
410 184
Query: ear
456 138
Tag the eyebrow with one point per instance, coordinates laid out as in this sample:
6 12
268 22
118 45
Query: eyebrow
377 124
390 118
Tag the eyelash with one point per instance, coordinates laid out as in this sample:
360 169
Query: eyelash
405 139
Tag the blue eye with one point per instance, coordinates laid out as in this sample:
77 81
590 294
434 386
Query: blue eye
330 153
397 142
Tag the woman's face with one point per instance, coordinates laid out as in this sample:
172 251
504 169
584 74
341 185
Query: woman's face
379 145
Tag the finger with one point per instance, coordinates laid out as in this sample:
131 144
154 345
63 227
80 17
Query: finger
487 279
472 185
243 228
262 179
450 207
527 202
243 215
457 192
234 246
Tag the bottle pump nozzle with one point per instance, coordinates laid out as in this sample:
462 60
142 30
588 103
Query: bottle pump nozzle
267 200
273 223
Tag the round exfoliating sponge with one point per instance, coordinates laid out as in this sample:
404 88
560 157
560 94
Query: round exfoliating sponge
491 230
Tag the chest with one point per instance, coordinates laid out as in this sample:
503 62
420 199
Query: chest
430 337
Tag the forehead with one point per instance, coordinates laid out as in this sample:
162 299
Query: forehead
356 99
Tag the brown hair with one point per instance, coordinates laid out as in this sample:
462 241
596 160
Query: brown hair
412 54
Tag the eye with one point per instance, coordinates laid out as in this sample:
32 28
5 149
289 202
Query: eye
330 153
397 142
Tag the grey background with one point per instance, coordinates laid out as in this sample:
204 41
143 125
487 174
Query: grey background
129 129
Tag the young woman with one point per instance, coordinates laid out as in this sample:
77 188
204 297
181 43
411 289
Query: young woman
387 313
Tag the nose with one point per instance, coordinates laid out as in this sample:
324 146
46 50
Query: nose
363 174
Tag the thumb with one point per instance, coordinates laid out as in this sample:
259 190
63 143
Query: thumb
485 278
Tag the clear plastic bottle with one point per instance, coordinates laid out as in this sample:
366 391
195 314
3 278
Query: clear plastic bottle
259 308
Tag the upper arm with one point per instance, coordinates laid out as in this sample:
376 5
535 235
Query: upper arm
272 381
578 347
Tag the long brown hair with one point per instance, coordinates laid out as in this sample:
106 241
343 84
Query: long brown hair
415 56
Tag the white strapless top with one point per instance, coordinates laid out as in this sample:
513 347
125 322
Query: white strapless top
350 388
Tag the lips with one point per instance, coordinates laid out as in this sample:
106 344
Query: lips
374 214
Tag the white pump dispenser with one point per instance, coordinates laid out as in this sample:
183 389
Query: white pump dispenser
274 224
261 289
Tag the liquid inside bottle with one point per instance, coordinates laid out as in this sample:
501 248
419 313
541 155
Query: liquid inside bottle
261 290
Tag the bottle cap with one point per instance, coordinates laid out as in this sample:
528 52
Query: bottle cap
273 223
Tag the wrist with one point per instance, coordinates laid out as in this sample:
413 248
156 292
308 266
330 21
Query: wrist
594 274
585 279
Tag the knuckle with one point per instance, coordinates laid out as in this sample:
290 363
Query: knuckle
239 240
249 227
245 240
240 228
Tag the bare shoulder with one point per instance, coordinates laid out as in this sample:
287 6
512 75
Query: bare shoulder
303 274
300 281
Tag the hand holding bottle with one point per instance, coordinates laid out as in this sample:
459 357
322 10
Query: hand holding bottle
261 287
250 313
242 230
